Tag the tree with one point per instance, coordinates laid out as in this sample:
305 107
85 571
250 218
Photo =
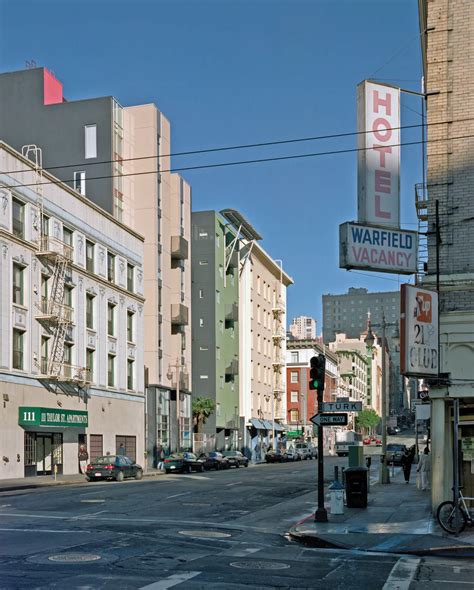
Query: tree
203 407
367 419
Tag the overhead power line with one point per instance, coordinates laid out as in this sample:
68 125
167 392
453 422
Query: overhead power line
239 162
242 146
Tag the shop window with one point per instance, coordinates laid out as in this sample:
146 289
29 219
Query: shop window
129 446
96 446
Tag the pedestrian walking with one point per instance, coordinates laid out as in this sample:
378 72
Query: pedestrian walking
407 461
83 456
424 469
161 458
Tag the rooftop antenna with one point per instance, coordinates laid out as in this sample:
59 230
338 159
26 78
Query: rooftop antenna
30 64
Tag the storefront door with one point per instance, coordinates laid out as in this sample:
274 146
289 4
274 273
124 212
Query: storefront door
44 446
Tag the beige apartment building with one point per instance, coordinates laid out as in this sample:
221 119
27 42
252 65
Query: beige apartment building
262 316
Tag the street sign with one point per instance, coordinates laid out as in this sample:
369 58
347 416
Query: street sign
341 406
329 419
424 395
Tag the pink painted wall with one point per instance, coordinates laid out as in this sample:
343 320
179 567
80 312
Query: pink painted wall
53 89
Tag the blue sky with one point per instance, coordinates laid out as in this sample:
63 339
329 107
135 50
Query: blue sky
230 72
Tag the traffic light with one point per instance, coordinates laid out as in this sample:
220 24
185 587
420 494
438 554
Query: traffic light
317 372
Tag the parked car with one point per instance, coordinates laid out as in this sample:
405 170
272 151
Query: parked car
272 457
183 463
116 467
395 453
291 455
236 459
372 440
305 451
214 460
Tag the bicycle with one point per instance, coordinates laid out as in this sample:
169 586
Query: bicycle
446 515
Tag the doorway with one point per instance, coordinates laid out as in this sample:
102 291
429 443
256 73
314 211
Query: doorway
44 448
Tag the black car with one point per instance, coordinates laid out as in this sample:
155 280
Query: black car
183 463
214 460
116 467
395 453
236 459
272 457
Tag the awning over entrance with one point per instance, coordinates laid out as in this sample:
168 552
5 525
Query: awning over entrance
266 425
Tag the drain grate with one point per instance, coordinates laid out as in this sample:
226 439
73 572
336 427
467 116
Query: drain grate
260 565
205 534
74 557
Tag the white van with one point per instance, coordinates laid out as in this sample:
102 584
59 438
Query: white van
306 451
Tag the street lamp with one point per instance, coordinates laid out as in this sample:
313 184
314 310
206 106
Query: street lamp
178 367
369 340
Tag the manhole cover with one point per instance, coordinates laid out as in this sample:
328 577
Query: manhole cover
260 565
74 557
205 534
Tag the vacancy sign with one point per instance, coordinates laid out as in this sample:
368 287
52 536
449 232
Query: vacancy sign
419 355
378 166
377 248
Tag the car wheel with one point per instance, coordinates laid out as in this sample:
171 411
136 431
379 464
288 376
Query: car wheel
238 465
246 464
202 469
139 474
119 476
189 469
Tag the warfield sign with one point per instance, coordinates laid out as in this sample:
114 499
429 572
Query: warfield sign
377 248
378 169
419 356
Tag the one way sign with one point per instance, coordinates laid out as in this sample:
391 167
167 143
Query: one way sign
329 420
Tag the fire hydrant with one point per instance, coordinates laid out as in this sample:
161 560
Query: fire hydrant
336 491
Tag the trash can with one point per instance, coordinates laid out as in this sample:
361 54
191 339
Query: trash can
356 487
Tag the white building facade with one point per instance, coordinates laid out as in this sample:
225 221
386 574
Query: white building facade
303 328
71 326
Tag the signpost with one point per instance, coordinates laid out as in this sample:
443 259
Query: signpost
341 406
338 419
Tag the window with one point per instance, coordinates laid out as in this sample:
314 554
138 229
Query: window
111 370
204 376
67 236
90 362
18 286
18 218
294 416
44 355
80 182
45 225
218 297
17 349
294 376
130 315
110 267
201 293
90 136
67 297
201 322
67 358
90 311
203 234
130 278
203 262
294 397
203 348
130 371
295 357
218 353
89 256
110 319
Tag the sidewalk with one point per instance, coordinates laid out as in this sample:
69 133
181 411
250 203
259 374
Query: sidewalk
43 481
398 519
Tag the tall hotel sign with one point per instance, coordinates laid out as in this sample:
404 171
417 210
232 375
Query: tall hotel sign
376 241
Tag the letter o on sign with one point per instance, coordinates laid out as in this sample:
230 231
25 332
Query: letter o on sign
386 132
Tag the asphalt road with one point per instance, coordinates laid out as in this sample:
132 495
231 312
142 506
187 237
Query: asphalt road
223 530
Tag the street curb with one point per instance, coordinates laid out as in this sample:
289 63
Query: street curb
52 484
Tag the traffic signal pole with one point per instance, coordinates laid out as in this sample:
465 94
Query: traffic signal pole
321 514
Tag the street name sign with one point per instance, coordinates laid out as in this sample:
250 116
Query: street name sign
329 419
341 406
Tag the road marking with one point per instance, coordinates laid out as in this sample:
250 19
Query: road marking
41 531
402 574
235 483
173 580
176 495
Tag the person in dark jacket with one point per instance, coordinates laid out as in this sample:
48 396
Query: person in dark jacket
407 460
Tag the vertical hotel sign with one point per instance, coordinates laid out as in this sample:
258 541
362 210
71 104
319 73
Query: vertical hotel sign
378 117
419 355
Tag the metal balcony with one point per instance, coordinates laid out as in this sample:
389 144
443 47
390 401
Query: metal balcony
52 248
65 372
231 312
179 314
52 312
421 201
179 248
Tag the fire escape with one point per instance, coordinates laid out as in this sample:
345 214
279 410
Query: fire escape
278 364
421 204
54 315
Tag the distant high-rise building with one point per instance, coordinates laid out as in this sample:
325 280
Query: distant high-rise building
303 328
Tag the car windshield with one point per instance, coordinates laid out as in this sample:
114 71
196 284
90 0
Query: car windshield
190 456
229 454
107 460
175 457
214 455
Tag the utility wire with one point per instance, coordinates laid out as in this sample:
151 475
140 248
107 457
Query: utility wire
239 162
242 146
